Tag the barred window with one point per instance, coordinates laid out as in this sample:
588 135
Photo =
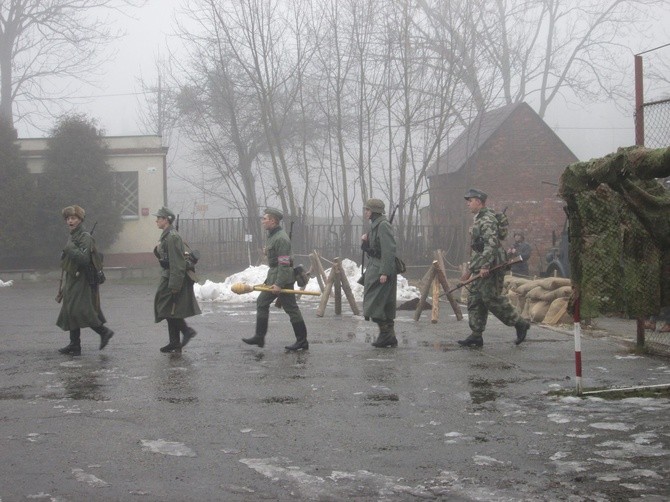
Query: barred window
127 193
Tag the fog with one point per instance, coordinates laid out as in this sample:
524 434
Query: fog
589 129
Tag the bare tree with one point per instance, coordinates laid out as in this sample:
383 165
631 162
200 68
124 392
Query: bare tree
539 50
46 42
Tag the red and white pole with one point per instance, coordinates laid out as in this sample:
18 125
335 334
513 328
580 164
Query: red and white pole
578 347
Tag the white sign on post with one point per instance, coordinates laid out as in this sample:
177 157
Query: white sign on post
248 238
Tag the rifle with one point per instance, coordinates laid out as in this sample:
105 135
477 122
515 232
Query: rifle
361 279
512 261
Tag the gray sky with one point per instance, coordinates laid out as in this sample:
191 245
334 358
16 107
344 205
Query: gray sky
589 130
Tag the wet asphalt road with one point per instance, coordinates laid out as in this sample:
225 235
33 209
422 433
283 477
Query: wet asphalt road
224 421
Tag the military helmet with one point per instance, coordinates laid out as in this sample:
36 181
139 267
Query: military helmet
375 205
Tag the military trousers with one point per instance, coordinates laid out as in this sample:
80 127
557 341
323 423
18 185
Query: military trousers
485 295
288 303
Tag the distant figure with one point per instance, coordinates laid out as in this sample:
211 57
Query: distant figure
280 276
175 299
521 248
80 293
486 292
381 281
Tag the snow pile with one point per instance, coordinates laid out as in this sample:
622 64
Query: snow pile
220 292
6 284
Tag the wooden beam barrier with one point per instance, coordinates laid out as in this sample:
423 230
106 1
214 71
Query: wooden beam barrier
336 281
424 289
441 276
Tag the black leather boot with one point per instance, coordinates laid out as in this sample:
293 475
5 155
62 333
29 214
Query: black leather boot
105 334
187 333
386 336
74 349
301 342
173 332
474 340
522 326
259 337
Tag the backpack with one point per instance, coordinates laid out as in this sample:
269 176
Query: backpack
503 225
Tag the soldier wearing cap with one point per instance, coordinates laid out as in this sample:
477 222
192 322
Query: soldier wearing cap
175 299
280 276
380 281
485 294
521 248
79 290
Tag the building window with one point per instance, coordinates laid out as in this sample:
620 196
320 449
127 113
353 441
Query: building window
127 193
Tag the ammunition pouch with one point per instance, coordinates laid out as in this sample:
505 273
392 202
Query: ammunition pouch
301 277
478 244
192 257
373 253
164 263
94 276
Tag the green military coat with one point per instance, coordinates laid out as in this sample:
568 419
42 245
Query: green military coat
174 298
379 300
280 261
81 301
487 251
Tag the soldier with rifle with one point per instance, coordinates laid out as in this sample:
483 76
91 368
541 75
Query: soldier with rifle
79 291
175 299
485 293
380 280
280 276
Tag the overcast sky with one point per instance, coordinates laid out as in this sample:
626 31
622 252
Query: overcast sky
588 130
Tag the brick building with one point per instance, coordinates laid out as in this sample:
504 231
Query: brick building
515 157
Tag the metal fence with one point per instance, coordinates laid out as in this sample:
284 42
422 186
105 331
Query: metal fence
225 243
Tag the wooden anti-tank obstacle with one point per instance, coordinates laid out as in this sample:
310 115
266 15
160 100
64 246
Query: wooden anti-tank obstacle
435 277
336 281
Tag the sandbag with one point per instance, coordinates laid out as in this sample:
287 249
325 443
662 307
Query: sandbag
538 311
554 282
527 306
536 293
558 313
514 282
514 299
527 286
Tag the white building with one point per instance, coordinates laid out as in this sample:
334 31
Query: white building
139 167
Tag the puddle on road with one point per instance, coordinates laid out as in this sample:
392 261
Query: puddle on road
178 400
280 400
175 381
377 397
81 382
482 390
11 393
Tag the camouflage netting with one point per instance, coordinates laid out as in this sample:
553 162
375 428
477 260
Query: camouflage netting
619 219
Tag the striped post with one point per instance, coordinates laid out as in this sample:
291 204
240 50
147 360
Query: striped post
578 348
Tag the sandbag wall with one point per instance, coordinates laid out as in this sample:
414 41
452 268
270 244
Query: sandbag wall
540 300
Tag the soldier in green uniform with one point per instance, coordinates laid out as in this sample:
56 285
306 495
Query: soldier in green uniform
175 299
380 281
485 294
80 294
280 276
